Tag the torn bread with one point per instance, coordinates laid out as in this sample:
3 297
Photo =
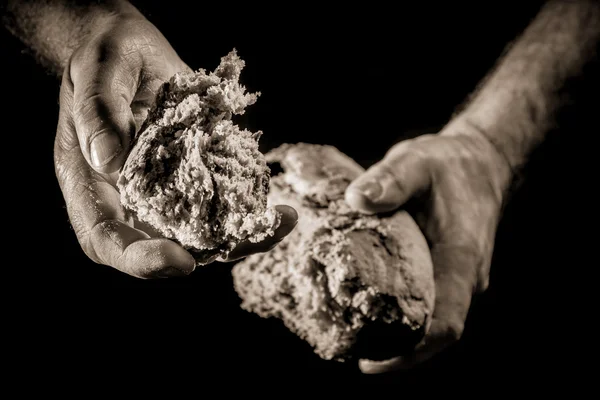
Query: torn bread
193 175
350 285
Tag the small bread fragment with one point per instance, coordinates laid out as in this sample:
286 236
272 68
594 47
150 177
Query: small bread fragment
195 176
351 285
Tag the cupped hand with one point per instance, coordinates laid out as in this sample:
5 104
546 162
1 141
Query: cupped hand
454 185
106 91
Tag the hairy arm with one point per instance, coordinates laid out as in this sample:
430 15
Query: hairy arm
463 175
53 29
516 105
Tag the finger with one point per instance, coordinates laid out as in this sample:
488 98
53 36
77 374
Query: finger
106 233
455 280
391 182
105 83
289 219
371 367
116 244
102 227
436 341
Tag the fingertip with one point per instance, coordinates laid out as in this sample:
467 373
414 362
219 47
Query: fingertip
177 257
371 367
155 258
388 184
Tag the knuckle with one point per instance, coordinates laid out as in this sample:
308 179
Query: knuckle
130 50
91 57
441 152
83 235
125 85
67 170
87 246
79 227
82 116
467 154
99 51
388 171
100 237
90 116
90 104
106 48
399 148
96 111
65 140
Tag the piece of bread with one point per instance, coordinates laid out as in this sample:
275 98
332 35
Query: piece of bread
195 176
351 285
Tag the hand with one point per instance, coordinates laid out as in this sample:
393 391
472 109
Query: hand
107 89
455 181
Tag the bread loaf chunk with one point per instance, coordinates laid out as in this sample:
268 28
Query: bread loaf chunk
349 284
194 175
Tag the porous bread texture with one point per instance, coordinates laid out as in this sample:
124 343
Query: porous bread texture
351 285
193 174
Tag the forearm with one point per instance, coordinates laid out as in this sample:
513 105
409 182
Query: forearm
517 104
53 29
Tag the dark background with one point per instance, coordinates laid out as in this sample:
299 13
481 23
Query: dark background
360 77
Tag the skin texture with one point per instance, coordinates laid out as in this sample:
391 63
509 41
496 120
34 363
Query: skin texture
108 83
461 174
456 182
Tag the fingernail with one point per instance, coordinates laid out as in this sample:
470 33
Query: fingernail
372 190
104 148
171 273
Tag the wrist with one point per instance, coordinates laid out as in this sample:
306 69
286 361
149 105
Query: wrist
51 31
478 142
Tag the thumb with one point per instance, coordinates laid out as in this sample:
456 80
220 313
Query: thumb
103 91
392 181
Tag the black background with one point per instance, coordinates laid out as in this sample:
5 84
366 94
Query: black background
360 77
